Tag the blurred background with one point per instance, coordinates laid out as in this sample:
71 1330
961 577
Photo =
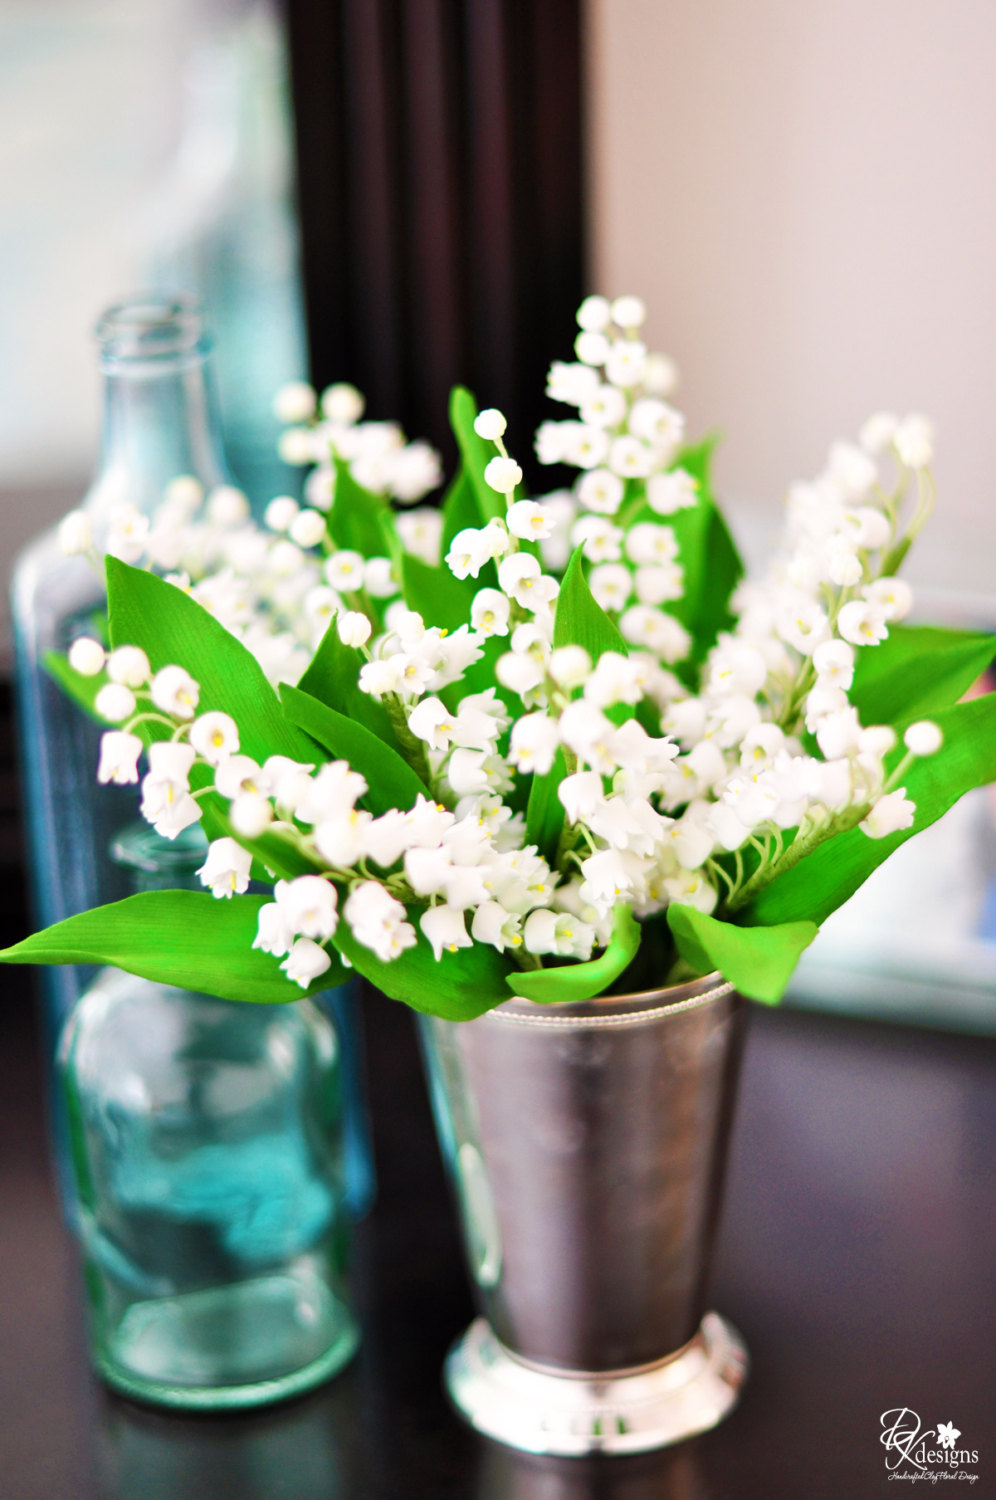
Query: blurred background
412 193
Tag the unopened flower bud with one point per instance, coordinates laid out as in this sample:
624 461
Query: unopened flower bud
227 506
594 314
923 738
628 312
129 665
354 628
115 702
250 815
307 528
87 656
294 402
280 512
490 424
342 404
503 474
75 533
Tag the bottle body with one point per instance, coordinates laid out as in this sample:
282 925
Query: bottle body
160 420
207 1145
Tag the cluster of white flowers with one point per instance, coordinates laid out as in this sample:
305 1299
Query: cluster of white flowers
669 793
380 457
277 586
626 441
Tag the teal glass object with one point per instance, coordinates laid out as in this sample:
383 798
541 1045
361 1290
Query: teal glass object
343 1007
208 1150
160 420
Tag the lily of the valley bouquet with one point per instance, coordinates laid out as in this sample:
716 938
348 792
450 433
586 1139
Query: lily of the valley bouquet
537 747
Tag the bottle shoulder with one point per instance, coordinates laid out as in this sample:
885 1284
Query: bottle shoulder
123 1025
46 585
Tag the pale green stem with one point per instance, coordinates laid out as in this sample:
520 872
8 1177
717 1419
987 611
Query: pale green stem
411 747
801 846
150 718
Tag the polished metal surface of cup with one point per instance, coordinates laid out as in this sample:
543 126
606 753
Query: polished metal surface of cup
587 1144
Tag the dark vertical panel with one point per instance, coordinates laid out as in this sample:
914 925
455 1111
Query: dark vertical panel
493 223
316 55
436 325
371 221
440 170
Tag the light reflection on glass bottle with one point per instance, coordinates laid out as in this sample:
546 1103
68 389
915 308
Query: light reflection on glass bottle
207 1143
160 421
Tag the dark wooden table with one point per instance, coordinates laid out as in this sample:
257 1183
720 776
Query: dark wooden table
857 1257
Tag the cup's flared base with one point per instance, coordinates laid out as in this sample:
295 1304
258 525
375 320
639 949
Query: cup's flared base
543 1410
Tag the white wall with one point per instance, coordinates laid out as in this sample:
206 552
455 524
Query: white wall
805 193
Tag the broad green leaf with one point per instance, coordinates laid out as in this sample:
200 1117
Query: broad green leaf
708 556
706 551
390 780
574 982
457 987
475 452
391 544
333 678
186 938
578 620
916 671
759 961
171 627
480 676
825 878
275 854
356 520
82 690
545 811
439 597
461 508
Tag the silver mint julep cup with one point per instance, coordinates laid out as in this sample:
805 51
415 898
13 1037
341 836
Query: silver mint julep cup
586 1143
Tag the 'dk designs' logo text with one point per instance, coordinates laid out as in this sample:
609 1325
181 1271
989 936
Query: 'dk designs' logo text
917 1453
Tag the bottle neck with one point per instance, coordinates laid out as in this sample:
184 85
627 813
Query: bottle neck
160 409
157 864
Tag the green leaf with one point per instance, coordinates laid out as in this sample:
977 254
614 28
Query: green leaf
275 854
333 678
583 981
545 811
825 878
476 453
390 780
758 961
439 597
82 690
457 987
480 675
708 556
356 520
171 627
186 938
461 508
917 671
578 620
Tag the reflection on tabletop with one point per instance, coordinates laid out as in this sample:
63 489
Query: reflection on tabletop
312 1449
672 1474
301 1449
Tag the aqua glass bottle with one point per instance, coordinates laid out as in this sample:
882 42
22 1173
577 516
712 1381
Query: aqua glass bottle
160 421
208 1151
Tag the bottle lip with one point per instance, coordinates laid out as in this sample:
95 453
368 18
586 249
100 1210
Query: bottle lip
151 326
138 847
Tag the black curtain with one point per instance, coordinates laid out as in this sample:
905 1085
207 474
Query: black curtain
441 200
